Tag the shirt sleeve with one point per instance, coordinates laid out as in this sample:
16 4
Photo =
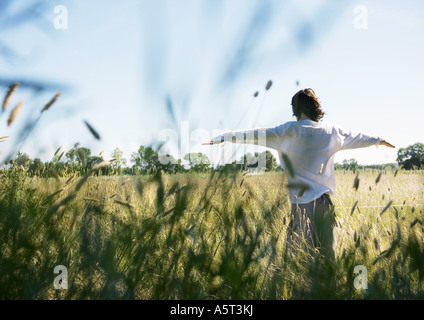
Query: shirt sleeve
354 139
267 137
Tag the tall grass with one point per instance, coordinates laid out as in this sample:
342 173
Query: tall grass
217 236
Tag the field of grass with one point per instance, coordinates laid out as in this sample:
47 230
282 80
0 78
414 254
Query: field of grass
209 236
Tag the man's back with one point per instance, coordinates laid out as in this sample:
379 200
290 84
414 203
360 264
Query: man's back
309 147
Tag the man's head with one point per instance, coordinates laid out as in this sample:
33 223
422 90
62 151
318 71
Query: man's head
305 101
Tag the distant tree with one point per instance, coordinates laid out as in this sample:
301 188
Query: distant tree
179 167
56 167
270 161
198 162
22 160
77 159
36 167
169 164
350 164
78 155
265 160
385 166
145 159
338 166
249 161
390 166
118 165
411 157
93 160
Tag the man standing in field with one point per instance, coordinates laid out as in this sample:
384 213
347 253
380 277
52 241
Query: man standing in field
306 149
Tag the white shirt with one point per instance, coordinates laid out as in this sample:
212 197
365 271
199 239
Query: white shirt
306 149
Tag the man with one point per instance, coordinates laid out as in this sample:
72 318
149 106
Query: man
306 149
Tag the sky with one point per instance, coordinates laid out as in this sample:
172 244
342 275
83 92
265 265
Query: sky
183 71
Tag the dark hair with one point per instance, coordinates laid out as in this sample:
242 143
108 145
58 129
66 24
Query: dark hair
307 102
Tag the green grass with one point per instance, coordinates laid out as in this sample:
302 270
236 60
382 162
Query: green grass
204 236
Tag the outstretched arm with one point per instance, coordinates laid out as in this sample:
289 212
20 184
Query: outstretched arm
268 137
355 139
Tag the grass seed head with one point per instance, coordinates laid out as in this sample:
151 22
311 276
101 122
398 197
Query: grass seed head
82 158
354 207
93 132
356 182
57 151
69 152
12 89
14 113
91 199
386 207
50 103
376 245
124 203
69 179
268 85
54 174
101 165
61 155
413 223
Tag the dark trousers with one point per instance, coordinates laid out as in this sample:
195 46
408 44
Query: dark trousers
312 227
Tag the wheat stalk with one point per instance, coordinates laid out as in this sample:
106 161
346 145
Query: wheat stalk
57 151
61 155
93 132
82 158
14 113
69 179
69 152
124 203
50 103
12 89
268 85
102 165
91 199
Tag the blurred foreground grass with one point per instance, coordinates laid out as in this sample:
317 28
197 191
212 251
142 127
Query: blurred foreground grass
215 236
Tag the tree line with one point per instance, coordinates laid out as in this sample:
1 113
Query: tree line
146 160
409 158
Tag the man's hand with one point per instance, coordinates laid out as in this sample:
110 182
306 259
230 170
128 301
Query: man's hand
213 142
385 143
